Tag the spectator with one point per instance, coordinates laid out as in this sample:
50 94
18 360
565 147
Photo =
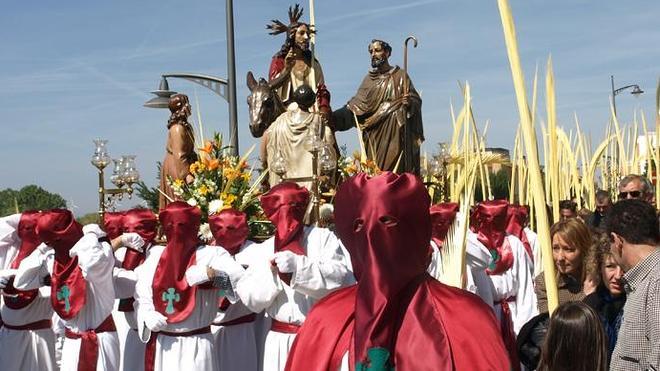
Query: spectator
636 186
567 209
603 202
575 340
585 214
571 242
633 229
609 298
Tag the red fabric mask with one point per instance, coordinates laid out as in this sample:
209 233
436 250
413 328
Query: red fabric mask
230 229
517 217
490 218
384 223
58 229
442 217
27 232
145 224
285 206
172 296
113 224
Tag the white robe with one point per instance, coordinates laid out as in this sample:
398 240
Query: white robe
96 262
132 349
24 349
323 270
189 353
477 281
516 282
9 241
238 347
535 243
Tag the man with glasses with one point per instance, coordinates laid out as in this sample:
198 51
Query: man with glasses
636 186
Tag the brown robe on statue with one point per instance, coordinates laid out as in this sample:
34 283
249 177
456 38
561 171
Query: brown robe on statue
388 128
180 153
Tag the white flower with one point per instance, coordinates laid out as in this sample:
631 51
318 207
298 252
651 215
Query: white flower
204 232
192 202
215 206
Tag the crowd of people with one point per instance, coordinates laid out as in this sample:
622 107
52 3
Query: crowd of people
362 295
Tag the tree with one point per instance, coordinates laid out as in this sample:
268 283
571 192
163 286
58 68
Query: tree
31 197
499 185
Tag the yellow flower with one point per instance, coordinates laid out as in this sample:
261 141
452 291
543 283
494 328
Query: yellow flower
227 200
194 167
203 190
230 173
246 177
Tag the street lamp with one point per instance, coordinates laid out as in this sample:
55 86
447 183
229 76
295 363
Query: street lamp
124 173
636 91
218 85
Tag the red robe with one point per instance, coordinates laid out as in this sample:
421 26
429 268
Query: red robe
469 332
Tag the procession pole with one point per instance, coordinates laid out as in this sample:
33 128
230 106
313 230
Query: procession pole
312 46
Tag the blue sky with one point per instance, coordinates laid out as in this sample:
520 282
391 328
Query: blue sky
71 71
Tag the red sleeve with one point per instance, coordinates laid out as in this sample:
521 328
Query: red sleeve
276 66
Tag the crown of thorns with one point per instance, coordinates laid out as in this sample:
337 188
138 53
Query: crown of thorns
276 27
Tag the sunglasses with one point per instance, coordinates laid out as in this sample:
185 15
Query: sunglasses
633 194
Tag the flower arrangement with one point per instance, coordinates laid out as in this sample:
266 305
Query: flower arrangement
351 165
221 181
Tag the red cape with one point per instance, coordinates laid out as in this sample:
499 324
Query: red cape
470 331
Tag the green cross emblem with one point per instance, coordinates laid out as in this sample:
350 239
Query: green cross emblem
377 360
170 296
63 294
495 257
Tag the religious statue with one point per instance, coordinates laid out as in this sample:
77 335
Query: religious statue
285 138
292 66
388 111
180 148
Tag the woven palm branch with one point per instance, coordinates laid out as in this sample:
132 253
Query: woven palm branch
454 248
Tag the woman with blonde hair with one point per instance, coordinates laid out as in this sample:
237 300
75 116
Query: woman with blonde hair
609 298
575 340
571 243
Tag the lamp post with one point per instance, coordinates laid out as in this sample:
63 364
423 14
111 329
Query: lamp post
124 174
636 92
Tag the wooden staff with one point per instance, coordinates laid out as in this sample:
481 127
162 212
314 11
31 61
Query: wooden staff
406 91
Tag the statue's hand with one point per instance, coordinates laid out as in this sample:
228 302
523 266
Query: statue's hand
189 179
289 60
405 101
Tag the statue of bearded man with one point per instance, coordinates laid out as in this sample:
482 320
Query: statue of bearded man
292 66
389 113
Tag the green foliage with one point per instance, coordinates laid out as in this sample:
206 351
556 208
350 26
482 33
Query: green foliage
31 197
150 195
89 218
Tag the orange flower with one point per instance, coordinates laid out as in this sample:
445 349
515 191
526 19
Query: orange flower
208 147
213 164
